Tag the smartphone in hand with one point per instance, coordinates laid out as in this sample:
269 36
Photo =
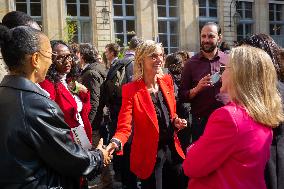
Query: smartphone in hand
215 78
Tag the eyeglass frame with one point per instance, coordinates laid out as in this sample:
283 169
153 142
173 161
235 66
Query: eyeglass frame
222 68
52 53
155 56
64 58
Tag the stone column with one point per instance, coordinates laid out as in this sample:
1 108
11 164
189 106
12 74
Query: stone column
261 12
189 25
5 7
146 19
102 31
229 28
53 17
93 16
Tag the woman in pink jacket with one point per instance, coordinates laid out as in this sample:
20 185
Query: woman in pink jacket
234 148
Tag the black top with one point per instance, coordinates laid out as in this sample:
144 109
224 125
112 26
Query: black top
165 128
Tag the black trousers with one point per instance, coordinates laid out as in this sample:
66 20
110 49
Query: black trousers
198 127
128 179
168 173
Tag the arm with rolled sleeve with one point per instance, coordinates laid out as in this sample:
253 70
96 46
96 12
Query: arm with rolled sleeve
214 147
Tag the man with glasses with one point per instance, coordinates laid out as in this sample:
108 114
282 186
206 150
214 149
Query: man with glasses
200 83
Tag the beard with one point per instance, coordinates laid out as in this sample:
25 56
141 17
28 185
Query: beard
210 47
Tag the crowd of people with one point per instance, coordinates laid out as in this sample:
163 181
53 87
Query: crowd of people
74 117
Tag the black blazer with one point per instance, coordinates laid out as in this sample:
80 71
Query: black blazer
35 145
93 77
274 172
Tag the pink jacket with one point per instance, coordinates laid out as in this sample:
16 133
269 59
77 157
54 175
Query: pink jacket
231 154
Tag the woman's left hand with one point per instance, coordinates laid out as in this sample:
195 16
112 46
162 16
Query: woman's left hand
180 123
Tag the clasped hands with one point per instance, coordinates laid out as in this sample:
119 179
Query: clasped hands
107 151
107 155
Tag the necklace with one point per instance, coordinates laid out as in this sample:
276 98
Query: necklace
154 89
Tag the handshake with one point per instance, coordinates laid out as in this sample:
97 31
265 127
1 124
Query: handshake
107 151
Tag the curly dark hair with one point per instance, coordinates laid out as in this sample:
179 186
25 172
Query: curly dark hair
266 43
88 52
174 64
52 73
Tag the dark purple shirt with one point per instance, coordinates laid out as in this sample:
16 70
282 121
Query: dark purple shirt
205 102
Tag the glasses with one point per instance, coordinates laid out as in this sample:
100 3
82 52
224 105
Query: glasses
62 58
222 68
51 53
155 56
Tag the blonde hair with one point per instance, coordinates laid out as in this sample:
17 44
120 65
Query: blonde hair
144 49
253 84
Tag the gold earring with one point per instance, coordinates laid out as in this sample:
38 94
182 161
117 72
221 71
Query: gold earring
36 69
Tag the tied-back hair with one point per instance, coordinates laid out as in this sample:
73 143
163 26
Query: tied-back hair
266 43
253 85
144 49
18 42
17 18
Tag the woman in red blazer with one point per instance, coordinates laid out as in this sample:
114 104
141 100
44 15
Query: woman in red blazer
234 149
75 104
148 103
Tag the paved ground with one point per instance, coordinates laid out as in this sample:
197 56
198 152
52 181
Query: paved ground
107 181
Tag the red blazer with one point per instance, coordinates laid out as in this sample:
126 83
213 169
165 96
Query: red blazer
137 105
68 105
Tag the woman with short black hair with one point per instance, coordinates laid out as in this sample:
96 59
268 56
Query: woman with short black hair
35 146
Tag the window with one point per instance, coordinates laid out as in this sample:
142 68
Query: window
124 21
78 14
207 12
168 25
276 22
31 7
245 25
